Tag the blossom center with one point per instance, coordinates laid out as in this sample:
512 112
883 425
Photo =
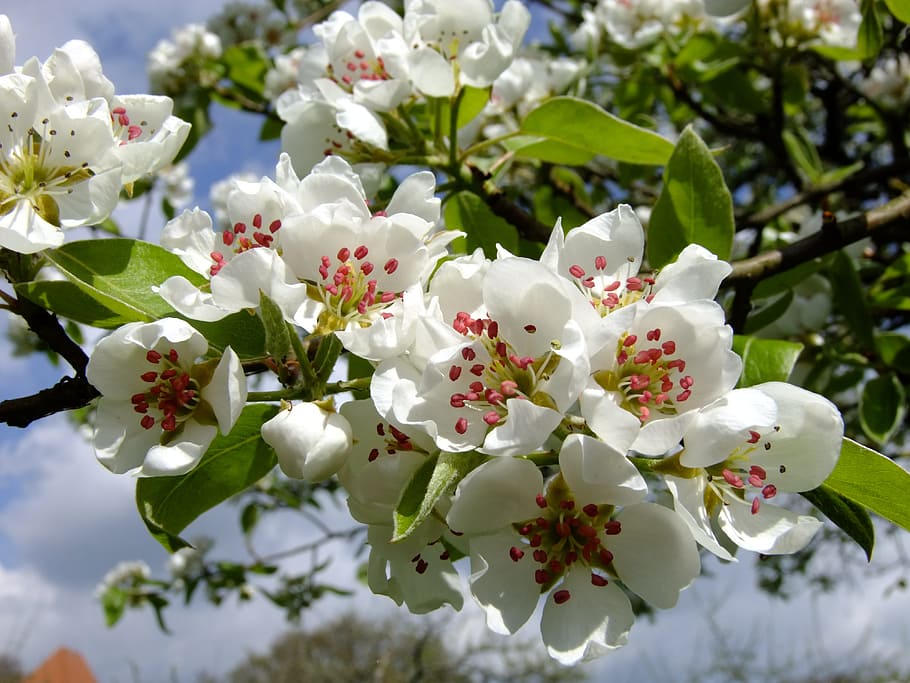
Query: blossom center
173 394
245 236
649 376
604 291
357 66
739 476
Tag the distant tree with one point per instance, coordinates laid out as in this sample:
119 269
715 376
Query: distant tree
351 649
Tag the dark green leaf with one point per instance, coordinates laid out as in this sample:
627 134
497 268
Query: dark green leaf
768 312
468 212
850 517
242 331
894 349
850 300
694 205
573 129
434 478
326 356
765 360
249 518
882 407
66 299
246 65
874 481
231 464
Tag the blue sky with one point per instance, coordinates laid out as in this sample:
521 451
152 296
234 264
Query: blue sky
64 520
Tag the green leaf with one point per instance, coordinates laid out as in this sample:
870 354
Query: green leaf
66 299
277 337
327 353
694 205
119 274
768 312
113 602
468 212
231 464
765 360
850 300
574 129
803 153
873 481
850 517
882 407
434 478
900 9
246 65
242 331
871 34
893 348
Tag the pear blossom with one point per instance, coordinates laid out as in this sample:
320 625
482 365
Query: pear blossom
57 166
461 44
167 63
745 448
565 540
518 362
311 442
417 570
160 408
834 22
7 46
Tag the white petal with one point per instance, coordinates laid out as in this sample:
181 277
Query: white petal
431 73
506 590
689 503
496 494
599 474
227 390
771 531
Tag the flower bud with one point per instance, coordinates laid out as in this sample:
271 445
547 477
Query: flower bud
311 443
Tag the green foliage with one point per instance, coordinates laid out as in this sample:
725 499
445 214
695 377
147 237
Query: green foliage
232 463
277 337
469 213
694 205
882 408
852 518
573 131
765 360
850 300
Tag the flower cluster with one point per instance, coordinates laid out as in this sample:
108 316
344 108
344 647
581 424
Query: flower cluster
69 143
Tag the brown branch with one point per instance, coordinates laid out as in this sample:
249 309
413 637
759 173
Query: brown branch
526 224
833 236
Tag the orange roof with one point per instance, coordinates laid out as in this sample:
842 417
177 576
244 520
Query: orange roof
64 666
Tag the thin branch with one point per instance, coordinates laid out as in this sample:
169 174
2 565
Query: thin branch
833 236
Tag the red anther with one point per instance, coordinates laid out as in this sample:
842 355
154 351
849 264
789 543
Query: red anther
600 262
347 293
399 435
343 254
167 374
386 316
477 369
476 387
567 504
444 555
147 422
501 349
361 252
598 580
642 357
347 80
245 243
633 284
468 353
476 326
613 286
769 491
530 329
563 529
387 297
525 530
541 576
629 340
152 356
574 522
758 471
227 237
363 66
180 383
605 556
239 227
461 425
118 110
753 438
588 282
576 271
756 504
587 531
612 527
524 362
556 567
590 510
149 376
493 397
653 335
422 566
491 417
732 479
169 423
515 553
137 398
123 120
366 267
645 397
637 382
133 132
374 453
262 239
669 347
508 387
541 501
540 556
684 396
666 384
380 429
622 357
275 225
659 399
457 400
571 557
359 54
755 481
332 289
390 266
686 382
351 66
535 541
472 396
493 329
454 372
561 597
542 523
141 407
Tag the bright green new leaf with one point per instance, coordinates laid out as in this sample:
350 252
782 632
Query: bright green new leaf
900 9
850 517
882 407
231 464
694 205
874 481
246 65
119 274
467 212
573 129
277 337
765 360
434 478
